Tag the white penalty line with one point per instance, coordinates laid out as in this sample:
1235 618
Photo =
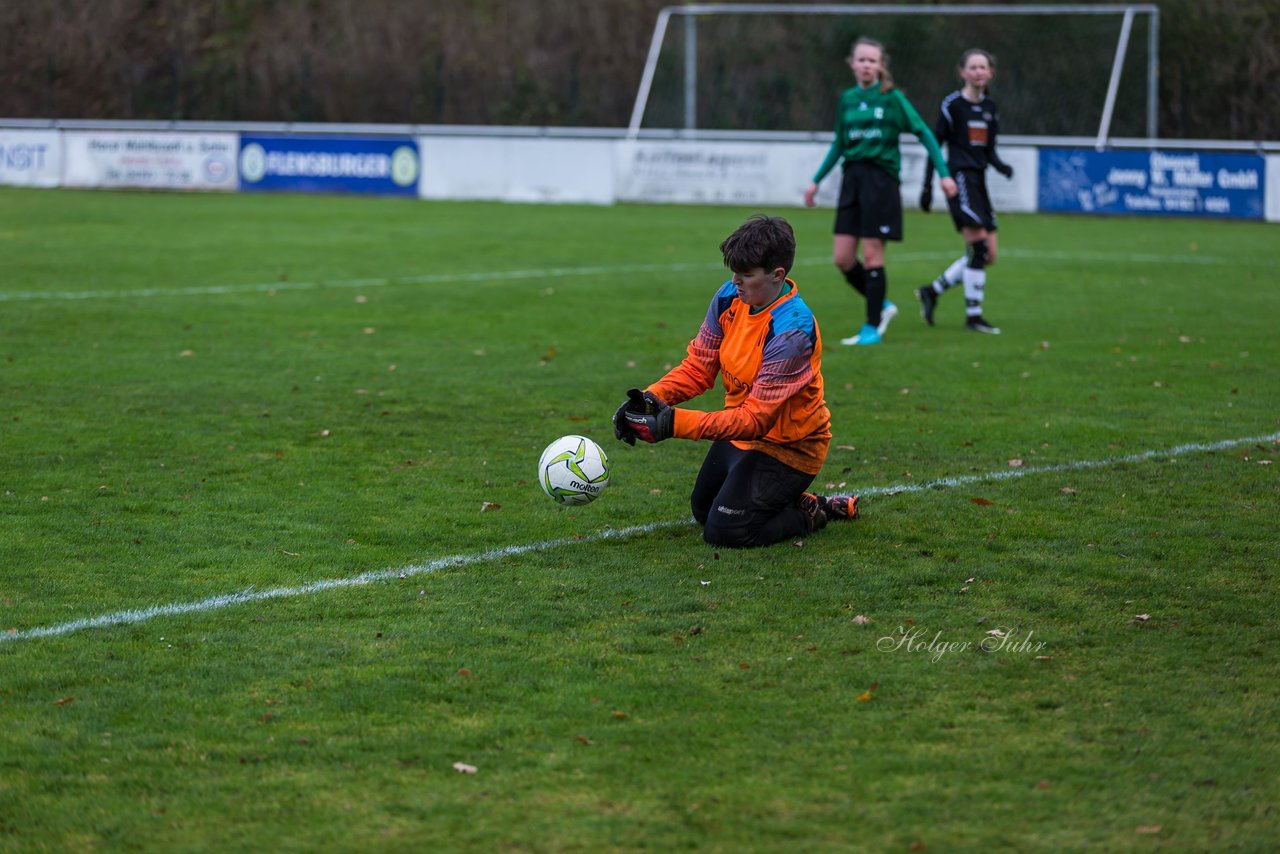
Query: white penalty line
213 603
547 273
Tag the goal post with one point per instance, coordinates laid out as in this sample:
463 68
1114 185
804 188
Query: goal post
689 34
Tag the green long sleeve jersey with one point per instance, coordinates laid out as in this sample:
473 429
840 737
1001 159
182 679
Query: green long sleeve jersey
868 124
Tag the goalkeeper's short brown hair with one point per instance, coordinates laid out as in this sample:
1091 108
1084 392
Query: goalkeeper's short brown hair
762 241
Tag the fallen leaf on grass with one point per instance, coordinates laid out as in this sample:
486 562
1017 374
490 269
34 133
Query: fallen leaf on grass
486 506
1015 463
1148 828
1140 618
860 620
619 714
63 701
985 502
463 671
582 739
464 768
1066 490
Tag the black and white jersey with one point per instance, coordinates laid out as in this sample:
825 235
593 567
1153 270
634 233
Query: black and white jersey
969 131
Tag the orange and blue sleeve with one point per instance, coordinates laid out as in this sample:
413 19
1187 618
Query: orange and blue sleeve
785 372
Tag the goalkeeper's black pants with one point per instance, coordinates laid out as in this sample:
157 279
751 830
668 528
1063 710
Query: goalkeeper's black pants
748 498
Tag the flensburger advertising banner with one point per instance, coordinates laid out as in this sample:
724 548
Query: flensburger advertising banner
30 158
329 164
1163 183
154 160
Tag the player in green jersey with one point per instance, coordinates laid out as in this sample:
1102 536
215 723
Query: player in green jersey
870 118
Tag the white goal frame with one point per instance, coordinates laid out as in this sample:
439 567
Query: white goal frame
692 12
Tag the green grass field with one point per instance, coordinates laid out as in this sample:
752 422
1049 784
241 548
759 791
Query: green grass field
249 598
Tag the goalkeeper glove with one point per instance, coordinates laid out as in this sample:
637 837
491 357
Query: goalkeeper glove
1004 169
645 403
651 427
926 198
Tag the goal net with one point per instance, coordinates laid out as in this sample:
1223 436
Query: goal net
1061 70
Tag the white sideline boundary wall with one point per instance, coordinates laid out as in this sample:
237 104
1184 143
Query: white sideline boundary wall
536 165
1273 188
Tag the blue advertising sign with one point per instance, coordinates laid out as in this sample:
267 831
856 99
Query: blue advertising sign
329 164
1162 183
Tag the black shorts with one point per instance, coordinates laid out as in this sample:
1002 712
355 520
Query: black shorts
870 202
971 207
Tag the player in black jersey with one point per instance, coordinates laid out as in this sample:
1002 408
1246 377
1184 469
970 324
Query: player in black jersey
968 124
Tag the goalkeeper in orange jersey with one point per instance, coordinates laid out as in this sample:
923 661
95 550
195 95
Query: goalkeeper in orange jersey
771 438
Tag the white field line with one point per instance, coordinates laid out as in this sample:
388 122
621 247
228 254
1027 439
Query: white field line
213 603
1077 465
556 273
225 600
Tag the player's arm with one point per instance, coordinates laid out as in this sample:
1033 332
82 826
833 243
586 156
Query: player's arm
993 131
787 369
940 132
922 132
829 162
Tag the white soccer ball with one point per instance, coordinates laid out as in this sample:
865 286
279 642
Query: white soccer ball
573 470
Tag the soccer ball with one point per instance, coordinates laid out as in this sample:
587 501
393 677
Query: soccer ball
573 470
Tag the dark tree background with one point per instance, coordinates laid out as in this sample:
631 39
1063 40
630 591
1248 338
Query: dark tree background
577 63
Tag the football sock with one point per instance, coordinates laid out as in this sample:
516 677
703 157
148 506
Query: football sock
877 285
952 276
856 277
975 278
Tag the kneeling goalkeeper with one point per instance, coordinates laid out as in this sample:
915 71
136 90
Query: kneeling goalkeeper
771 438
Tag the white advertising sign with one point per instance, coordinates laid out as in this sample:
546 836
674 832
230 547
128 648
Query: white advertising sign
168 160
729 173
30 158
517 170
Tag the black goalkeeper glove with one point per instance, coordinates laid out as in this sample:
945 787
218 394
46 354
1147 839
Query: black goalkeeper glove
1004 169
926 198
644 403
651 426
